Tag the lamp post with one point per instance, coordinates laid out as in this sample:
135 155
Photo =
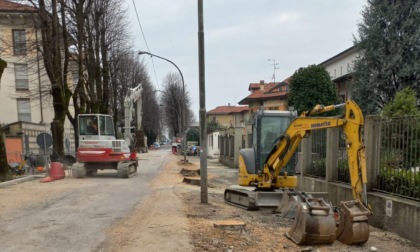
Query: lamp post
182 112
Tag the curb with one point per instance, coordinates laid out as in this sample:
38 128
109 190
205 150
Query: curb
20 180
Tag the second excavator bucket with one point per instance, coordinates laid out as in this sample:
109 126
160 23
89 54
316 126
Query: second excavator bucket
289 202
314 223
353 227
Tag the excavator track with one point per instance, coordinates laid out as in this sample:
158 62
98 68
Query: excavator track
78 170
241 198
124 169
252 200
127 169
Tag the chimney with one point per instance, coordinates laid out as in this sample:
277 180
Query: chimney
229 104
262 85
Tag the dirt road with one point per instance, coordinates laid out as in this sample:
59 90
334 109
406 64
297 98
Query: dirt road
71 214
153 211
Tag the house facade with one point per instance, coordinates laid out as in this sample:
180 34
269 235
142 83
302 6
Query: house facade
229 116
340 68
269 96
25 102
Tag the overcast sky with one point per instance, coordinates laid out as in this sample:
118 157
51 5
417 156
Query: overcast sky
240 36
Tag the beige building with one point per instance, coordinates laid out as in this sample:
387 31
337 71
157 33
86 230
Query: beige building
340 68
269 96
229 116
25 101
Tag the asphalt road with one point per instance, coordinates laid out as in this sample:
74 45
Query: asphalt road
76 218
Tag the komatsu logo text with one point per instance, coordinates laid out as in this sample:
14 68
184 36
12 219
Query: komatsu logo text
321 124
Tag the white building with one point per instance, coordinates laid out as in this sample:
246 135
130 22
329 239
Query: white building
340 68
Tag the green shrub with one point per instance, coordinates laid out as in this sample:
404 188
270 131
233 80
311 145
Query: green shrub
318 168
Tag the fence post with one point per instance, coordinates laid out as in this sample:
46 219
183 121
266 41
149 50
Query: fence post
332 154
372 140
305 156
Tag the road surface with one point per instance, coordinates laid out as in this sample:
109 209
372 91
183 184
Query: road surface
72 214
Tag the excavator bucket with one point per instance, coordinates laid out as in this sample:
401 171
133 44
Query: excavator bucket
353 227
314 223
291 199
289 202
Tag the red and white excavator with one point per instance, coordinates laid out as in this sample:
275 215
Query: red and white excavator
98 146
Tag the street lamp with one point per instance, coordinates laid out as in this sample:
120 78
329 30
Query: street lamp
183 95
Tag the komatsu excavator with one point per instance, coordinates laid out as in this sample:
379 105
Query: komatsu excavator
273 182
98 147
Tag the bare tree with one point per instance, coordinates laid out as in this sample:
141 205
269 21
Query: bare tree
93 35
177 112
56 56
151 113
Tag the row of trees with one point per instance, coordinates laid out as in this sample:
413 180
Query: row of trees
90 38
175 102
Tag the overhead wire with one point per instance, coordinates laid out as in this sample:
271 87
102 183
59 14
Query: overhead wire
144 38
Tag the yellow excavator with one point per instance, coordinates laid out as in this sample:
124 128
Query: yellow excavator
266 178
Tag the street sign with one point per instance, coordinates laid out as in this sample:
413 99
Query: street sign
44 140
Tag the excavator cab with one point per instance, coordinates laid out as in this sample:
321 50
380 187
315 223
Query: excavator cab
267 129
93 126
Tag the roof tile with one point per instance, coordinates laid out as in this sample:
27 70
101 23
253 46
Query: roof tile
8 6
271 90
225 110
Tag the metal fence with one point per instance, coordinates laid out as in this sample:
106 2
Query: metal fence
399 171
342 174
319 153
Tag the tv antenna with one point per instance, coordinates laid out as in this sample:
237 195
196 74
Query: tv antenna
274 69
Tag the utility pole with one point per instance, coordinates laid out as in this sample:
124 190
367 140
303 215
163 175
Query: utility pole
274 66
203 127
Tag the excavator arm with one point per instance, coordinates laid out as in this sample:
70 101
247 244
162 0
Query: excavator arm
132 97
314 219
286 145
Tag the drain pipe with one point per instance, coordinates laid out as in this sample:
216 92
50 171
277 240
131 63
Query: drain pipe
39 76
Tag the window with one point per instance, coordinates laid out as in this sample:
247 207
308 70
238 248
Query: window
109 130
21 76
88 125
24 110
19 42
